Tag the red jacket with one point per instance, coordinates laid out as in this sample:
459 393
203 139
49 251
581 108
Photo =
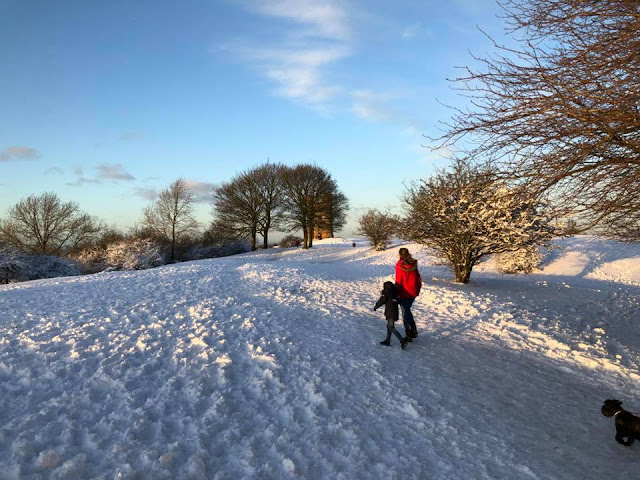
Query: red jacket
408 279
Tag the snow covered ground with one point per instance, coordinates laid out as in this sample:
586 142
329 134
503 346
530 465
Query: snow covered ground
267 365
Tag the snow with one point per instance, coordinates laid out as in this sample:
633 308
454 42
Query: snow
267 365
344 242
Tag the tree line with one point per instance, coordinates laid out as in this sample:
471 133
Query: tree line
275 197
267 198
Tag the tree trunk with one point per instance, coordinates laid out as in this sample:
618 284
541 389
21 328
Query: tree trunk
173 244
305 237
310 237
463 272
265 232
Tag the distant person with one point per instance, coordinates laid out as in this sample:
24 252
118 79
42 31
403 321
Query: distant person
353 244
408 282
389 298
297 242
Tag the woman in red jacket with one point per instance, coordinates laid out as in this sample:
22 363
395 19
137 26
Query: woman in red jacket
408 282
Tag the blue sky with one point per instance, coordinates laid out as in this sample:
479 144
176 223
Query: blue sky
107 102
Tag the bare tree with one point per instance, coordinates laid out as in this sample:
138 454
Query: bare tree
305 186
250 204
271 191
239 208
43 224
108 235
378 227
466 214
333 208
560 111
171 215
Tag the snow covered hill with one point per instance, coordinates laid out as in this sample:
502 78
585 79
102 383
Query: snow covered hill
267 365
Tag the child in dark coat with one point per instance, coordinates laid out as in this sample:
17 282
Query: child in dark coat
389 299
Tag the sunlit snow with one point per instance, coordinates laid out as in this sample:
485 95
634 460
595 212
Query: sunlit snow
267 365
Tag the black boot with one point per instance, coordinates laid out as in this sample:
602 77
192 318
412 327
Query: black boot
387 341
403 343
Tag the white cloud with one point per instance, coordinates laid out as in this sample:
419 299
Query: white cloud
372 106
299 72
319 19
203 190
146 192
54 171
411 31
314 40
106 171
19 153
113 172
82 181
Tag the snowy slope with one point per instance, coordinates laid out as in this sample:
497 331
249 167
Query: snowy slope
267 365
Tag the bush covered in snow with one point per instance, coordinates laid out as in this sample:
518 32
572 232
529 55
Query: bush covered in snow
127 254
19 267
49 266
378 227
92 260
524 260
289 241
11 265
466 214
135 254
200 252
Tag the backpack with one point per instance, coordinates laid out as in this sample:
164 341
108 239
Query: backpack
418 282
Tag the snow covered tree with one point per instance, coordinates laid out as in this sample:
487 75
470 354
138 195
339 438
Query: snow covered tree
465 214
43 224
560 111
571 227
524 260
171 215
378 227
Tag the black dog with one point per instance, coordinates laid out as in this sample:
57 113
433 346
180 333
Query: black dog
627 424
